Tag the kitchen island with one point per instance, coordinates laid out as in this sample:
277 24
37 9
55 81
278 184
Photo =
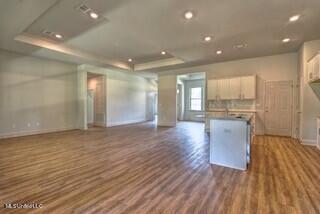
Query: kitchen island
230 140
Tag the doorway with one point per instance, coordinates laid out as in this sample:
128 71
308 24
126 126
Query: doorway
96 100
90 107
278 108
191 100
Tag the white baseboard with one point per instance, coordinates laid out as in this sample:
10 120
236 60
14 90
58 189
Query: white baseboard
99 124
308 142
34 132
126 122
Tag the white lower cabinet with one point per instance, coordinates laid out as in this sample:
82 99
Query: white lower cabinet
210 115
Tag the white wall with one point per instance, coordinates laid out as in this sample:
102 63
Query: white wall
310 104
167 100
127 96
269 68
36 95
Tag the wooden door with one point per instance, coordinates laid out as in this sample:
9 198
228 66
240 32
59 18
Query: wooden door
278 108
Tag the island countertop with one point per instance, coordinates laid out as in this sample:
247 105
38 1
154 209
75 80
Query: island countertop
246 118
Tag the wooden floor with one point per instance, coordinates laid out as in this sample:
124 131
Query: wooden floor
142 169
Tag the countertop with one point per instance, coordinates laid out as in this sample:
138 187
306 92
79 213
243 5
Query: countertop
246 118
233 110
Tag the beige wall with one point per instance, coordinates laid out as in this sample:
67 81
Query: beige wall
167 103
269 68
36 95
127 96
310 104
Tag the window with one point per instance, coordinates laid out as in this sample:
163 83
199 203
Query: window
196 99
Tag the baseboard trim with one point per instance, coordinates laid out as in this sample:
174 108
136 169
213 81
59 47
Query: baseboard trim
308 142
35 132
127 122
100 124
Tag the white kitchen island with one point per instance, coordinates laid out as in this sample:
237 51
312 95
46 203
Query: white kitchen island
230 139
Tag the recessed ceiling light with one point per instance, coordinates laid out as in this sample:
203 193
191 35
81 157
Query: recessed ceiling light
188 15
285 40
130 60
294 18
59 36
207 38
163 53
94 15
219 52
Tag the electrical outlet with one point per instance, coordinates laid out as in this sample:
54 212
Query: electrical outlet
13 126
29 124
38 124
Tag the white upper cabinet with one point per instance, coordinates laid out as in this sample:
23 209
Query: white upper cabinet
313 67
224 91
232 88
248 87
212 89
235 88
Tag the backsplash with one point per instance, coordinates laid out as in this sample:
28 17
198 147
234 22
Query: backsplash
232 104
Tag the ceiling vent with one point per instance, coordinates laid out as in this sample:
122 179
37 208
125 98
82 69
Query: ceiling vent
89 12
240 46
84 9
48 33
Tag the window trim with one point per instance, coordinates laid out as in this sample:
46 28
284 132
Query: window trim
201 99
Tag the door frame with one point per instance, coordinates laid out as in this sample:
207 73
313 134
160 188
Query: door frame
90 91
82 90
292 104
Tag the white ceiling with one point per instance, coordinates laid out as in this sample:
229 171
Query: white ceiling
141 29
192 76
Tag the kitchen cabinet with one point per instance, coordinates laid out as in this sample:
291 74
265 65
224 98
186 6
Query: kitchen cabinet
223 89
212 89
248 87
230 141
313 68
232 88
210 115
235 88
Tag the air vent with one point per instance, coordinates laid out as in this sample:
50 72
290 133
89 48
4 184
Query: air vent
48 33
240 46
84 9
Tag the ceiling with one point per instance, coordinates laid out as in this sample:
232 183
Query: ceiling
141 29
192 76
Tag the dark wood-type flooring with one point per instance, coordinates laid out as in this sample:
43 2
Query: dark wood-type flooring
143 169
